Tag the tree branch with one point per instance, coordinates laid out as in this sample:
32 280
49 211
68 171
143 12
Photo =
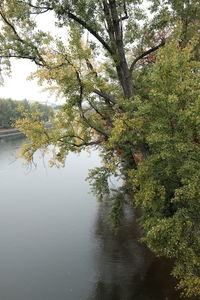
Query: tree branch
18 38
41 12
91 30
99 92
125 12
83 115
12 27
24 57
79 21
81 87
105 96
46 8
145 54
86 144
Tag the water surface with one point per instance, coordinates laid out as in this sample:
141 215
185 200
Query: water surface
56 245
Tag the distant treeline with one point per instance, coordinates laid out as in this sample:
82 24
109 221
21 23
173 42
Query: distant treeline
10 110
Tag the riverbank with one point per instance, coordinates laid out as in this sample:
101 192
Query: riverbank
10 133
13 133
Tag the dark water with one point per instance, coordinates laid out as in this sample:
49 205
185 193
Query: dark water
55 245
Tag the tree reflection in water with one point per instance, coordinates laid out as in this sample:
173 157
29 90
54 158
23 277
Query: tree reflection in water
126 269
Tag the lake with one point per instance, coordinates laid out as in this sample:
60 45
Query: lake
56 245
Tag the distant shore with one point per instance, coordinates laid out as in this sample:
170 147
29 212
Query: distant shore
10 133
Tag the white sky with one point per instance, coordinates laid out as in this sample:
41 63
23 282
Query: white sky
18 87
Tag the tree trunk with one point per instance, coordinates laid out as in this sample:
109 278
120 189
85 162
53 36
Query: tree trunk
114 28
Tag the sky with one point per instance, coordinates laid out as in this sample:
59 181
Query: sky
18 87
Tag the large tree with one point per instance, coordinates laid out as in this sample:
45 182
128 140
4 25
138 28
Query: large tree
129 72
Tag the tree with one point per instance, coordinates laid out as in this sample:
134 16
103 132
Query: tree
12 110
8 112
130 81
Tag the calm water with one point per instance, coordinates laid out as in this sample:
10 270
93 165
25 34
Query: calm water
55 245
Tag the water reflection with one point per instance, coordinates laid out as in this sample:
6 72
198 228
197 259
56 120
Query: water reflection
126 269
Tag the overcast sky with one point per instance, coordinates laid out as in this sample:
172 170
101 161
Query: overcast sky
18 87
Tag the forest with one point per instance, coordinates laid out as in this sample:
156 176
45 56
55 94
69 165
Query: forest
12 110
129 73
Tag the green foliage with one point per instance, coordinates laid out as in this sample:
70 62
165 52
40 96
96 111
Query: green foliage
11 110
98 179
112 198
8 111
167 184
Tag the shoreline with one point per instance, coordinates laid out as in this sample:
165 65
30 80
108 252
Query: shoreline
10 133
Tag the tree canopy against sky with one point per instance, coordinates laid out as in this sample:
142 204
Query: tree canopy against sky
130 78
